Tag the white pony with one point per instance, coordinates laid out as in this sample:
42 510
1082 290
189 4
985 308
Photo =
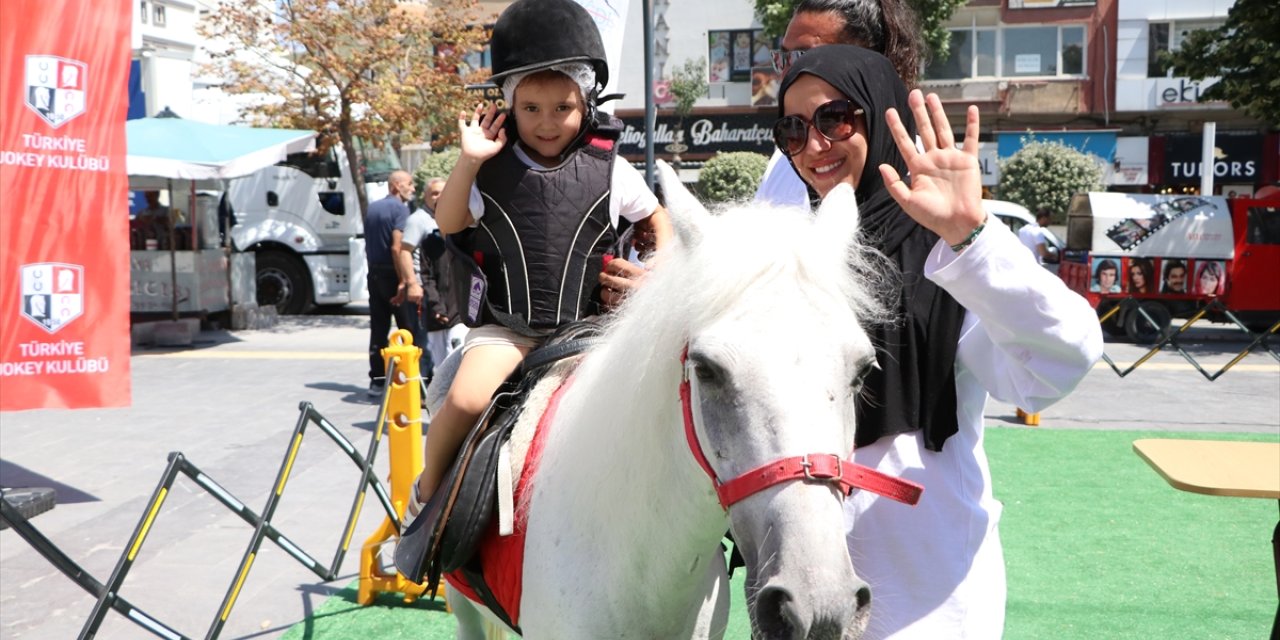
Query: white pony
624 523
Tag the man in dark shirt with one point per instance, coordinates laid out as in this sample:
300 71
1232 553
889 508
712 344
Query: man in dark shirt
383 228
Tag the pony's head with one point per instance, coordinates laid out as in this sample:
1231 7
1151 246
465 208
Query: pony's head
770 303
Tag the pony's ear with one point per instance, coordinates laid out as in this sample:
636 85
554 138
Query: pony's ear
685 211
838 214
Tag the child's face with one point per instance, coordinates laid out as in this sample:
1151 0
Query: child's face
548 111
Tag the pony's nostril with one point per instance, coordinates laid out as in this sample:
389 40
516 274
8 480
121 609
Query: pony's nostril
776 614
861 613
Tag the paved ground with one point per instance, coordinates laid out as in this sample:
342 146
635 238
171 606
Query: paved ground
230 402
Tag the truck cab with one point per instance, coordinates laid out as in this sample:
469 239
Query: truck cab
1159 257
301 218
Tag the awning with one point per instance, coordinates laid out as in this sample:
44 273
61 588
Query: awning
174 148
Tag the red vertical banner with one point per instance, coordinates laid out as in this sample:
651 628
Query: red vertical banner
64 245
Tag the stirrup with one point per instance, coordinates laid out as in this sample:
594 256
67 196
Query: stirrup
414 507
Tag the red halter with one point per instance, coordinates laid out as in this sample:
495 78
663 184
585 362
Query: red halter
826 468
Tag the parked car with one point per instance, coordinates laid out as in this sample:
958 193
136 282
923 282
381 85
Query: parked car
1016 216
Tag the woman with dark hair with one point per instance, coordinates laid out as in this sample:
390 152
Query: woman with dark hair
886 26
977 317
1210 278
1142 276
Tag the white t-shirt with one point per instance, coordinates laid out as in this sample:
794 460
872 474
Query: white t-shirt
1031 235
781 185
419 225
629 198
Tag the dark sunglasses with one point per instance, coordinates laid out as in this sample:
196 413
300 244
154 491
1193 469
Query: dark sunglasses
835 120
782 60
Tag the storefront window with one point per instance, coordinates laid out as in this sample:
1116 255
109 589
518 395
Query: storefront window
1157 43
958 61
1073 51
1026 51
731 55
1168 36
972 54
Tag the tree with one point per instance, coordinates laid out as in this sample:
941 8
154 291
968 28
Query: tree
437 165
1046 174
687 83
1244 52
731 176
932 16
373 71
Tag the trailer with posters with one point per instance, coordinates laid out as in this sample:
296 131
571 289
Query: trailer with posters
1170 256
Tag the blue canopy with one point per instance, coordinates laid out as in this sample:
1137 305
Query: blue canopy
175 148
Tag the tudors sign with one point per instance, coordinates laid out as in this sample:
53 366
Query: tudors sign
704 134
1237 157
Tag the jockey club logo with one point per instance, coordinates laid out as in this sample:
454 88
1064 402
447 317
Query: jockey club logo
55 88
52 294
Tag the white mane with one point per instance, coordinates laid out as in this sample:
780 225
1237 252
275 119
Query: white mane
622 523
743 248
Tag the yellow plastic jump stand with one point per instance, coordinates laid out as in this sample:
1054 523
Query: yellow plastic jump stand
401 410
1029 419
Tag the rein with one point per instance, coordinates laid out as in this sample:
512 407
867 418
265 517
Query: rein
821 468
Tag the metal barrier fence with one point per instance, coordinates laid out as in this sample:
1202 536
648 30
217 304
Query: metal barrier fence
1170 338
108 593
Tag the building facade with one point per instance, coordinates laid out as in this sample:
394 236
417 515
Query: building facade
1083 72
164 46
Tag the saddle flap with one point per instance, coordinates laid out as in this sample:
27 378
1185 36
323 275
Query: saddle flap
417 556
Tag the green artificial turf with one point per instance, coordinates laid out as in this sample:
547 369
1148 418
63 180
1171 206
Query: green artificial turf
1097 546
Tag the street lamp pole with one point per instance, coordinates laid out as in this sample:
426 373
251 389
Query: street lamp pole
650 112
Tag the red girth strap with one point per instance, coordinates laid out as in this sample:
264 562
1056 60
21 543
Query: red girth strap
814 467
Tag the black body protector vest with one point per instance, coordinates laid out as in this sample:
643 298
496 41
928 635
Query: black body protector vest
543 236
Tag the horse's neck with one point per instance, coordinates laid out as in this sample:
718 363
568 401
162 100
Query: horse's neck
631 480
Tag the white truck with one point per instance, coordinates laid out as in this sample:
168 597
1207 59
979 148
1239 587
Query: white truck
301 218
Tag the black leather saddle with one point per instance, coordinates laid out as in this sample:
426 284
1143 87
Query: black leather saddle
446 533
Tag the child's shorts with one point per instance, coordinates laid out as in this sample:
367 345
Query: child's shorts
496 334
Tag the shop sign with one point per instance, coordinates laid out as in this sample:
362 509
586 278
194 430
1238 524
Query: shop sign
1183 92
1100 143
703 135
1237 157
989 164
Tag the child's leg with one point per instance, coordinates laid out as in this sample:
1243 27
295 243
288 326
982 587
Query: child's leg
482 369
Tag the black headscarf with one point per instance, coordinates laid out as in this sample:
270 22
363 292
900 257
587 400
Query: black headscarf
915 387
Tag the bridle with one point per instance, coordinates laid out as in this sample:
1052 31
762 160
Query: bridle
822 468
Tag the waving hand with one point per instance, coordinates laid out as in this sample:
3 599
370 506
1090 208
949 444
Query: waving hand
945 194
482 136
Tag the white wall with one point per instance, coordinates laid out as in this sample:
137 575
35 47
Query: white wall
166 52
687 23
1172 9
1134 90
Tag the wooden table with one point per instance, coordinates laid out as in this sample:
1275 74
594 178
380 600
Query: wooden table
1216 467
1221 468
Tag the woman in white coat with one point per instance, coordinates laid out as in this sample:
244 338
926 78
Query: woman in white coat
978 318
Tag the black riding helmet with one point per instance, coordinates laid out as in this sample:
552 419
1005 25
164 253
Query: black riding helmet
531 35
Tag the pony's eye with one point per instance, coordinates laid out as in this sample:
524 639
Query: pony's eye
864 369
704 369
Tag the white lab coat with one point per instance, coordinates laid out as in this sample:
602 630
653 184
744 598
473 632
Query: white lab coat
936 570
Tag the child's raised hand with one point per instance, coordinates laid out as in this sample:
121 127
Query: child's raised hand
482 136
